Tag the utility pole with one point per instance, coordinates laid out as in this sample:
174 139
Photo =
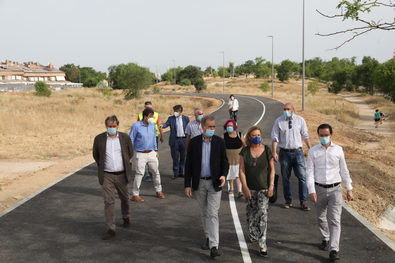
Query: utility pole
272 37
303 62
223 72
174 72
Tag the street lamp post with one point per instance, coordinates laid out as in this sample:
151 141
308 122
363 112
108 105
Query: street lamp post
223 72
272 37
303 61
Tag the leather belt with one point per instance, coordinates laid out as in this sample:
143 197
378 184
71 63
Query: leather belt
327 185
290 150
206 178
115 173
144 151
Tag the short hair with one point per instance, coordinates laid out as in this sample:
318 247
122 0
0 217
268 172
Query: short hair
178 107
111 118
231 95
196 109
147 103
147 112
207 118
250 130
325 126
230 121
377 110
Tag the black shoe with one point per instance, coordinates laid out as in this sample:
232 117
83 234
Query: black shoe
205 246
126 222
324 245
304 207
333 256
214 252
263 253
181 175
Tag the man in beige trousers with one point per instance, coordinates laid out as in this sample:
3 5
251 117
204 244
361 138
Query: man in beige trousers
113 151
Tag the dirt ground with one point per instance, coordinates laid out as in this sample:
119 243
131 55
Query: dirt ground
30 164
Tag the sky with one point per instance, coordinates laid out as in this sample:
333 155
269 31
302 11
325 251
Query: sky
160 33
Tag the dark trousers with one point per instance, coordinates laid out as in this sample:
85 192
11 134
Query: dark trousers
113 184
178 155
293 161
233 115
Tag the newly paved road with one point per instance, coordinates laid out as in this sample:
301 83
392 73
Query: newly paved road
65 222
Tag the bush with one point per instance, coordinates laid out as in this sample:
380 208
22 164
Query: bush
42 89
312 87
185 82
199 84
264 86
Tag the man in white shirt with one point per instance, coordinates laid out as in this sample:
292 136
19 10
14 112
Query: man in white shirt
233 107
326 169
288 133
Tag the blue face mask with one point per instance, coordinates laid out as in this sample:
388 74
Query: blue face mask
200 117
256 140
112 131
229 129
209 133
325 140
287 114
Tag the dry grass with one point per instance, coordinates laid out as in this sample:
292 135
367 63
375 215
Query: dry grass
65 124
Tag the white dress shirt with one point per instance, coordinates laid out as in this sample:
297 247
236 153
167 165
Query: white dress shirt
289 138
233 105
113 161
180 127
326 166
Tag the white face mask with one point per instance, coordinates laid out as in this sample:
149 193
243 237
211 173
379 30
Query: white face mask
151 120
176 113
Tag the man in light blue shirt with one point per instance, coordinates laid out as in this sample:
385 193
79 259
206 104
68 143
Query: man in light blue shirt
143 137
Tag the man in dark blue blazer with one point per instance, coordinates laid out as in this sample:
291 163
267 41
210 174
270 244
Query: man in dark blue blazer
177 139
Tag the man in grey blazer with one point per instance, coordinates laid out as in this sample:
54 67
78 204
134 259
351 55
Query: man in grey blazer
113 151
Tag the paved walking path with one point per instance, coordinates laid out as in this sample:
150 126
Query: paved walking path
65 222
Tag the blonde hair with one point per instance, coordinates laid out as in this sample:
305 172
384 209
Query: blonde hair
248 134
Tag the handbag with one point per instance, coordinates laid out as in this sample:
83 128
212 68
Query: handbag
273 198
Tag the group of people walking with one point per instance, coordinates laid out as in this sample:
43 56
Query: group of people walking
207 161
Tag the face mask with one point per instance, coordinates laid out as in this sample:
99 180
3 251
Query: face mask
176 114
151 120
256 140
229 129
287 114
232 98
209 133
200 117
112 131
325 140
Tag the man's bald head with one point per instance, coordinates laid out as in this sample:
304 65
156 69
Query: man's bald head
289 107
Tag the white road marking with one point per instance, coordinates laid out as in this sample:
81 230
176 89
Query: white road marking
239 230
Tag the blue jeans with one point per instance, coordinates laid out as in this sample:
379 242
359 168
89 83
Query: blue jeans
293 160
178 154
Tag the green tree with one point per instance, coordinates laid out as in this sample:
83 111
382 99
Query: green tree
91 77
169 75
195 75
42 89
384 78
287 69
199 84
223 72
131 78
364 73
209 71
72 72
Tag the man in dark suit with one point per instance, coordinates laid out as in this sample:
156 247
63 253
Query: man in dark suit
205 173
177 139
113 151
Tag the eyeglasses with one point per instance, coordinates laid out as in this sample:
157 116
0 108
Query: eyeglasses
290 124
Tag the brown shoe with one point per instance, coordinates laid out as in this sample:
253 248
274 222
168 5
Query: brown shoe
126 222
304 206
160 195
109 234
137 198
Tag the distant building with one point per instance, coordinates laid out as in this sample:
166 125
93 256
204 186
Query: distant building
16 76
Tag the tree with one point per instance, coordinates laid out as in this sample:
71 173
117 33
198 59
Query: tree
72 72
358 10
262 69
209 71
42 89
364 73
91 77
286 69
384 78
131 78
169 75
195 75
223 72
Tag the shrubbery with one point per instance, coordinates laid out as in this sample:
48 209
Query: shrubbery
42 89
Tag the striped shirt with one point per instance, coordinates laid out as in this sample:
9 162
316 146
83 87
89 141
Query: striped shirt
289 132
194 128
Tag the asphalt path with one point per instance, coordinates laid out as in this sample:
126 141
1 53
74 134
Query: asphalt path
65 222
